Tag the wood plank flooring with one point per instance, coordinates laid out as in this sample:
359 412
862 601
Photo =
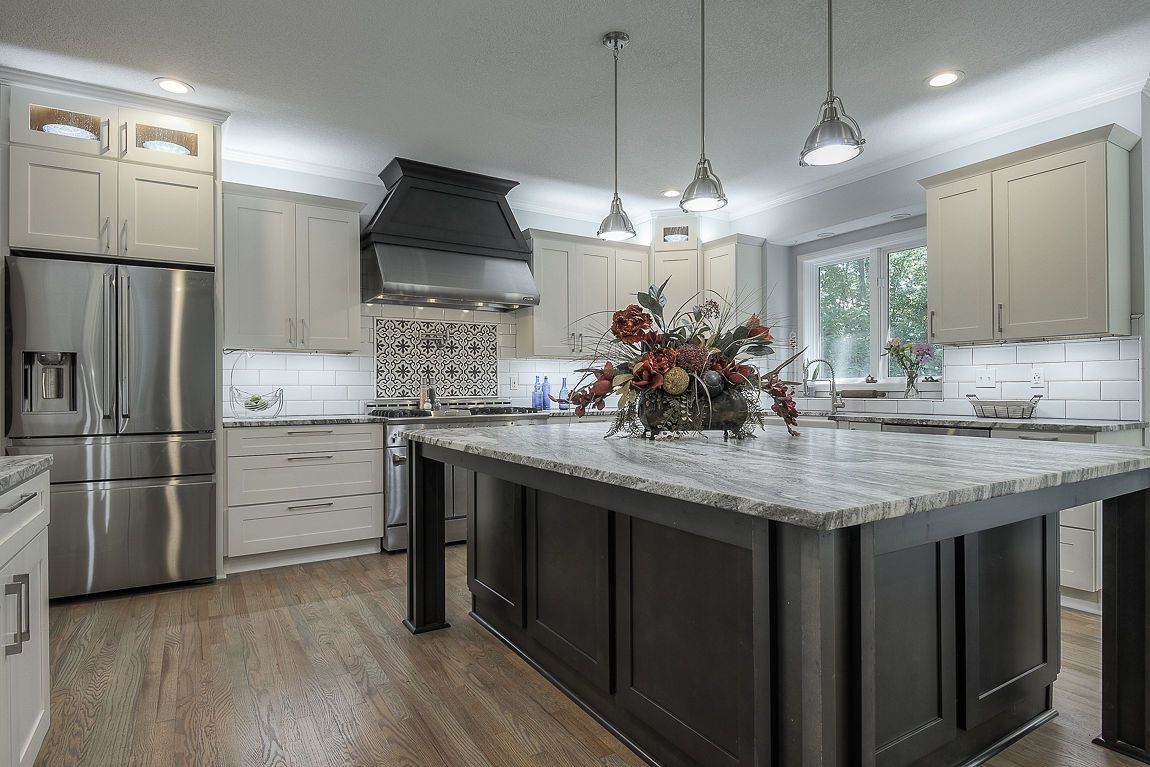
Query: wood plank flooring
309 666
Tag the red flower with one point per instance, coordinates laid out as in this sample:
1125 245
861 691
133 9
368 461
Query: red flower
739 374
661 359
595 393
644 376
630 325
760 330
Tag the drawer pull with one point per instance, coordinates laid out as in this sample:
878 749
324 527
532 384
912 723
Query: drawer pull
311 457
1038 439
23 500
399 460
305 433
19 587
311 506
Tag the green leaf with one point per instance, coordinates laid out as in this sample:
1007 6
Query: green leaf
650 304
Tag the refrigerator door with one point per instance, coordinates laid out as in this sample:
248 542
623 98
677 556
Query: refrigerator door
60 318
166 359
116 535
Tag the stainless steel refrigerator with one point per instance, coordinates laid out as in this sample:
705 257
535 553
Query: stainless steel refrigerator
110 368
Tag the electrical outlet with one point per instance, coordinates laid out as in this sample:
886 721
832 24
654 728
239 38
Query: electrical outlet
984 379
514 386
1037 378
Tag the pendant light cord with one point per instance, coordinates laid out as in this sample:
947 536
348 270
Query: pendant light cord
830 53
702 80
615 51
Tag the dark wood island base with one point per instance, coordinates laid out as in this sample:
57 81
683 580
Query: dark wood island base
703 636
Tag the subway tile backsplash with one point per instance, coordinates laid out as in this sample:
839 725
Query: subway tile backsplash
1092 379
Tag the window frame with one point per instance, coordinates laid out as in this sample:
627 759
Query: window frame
876 251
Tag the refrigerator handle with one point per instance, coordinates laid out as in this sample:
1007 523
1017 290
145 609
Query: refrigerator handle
125 343
109 330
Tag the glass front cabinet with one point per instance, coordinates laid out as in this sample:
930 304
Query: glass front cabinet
88 126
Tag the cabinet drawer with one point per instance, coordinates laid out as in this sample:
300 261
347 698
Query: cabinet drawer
302 476
1078 563
1042 436
275 440
1084 517
25 502
281 526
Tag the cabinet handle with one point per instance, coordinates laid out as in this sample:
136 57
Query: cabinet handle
932 323
302 332
580 343
572 343
106 130
107 234
124 144
304 433
1000 318
311 506
311 457
291 331
124 235
399 460
19 588
1038 439
23 500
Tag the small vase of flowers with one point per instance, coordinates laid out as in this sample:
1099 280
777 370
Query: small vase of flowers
911 358
688 372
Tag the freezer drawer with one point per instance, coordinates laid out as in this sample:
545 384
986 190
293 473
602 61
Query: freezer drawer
116 535
101 459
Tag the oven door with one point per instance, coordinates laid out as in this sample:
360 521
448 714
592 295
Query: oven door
396 494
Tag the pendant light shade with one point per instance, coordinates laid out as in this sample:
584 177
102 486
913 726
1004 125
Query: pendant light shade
705 192
617 225
836 136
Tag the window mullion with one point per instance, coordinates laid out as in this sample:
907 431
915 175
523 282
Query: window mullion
877 311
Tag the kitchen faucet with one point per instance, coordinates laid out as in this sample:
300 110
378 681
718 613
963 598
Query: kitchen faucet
836 401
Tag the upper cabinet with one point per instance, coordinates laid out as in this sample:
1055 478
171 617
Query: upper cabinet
582 281
88 126
69 203
1033 245
732 272
291 271
675 259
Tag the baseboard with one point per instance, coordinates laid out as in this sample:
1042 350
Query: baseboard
300 556
1082 601
1012 738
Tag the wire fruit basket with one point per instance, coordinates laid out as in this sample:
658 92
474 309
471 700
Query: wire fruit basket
1004 408
247 404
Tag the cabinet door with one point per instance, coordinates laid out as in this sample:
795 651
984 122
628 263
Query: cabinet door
1050 245
959 271
548 326
682 266
327 282
26 670
166 215
259 273
167 140
719 273
61 202
67 123
632 275
593 280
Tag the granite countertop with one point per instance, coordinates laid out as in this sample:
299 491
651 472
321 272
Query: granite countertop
19 469
826 479
974 422
302 420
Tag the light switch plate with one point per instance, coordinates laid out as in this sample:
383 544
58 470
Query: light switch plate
984 379
514 385
1037 378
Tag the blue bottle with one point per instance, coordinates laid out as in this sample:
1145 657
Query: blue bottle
537 395
563 395
545 402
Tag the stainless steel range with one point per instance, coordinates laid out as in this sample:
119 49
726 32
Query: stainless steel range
400 415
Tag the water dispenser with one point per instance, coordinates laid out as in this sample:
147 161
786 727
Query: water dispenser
49 382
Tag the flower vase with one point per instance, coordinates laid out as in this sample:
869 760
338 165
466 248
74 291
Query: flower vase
911 386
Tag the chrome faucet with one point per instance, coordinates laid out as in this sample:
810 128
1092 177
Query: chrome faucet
836 401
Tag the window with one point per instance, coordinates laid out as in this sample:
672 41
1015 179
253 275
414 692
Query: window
854 300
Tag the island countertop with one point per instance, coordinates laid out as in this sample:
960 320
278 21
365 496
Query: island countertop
15 470
825 479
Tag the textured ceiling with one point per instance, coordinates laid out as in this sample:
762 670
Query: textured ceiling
522 89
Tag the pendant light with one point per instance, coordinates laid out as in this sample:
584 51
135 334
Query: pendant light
836 136
705 192
617 225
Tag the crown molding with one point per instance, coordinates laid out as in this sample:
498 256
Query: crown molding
867 171
23 78
530 207
301 166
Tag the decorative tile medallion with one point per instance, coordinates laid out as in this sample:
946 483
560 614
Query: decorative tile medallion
462 357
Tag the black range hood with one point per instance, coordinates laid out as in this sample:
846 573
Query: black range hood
446 238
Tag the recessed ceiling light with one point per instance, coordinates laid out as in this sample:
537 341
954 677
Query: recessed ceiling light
900 216
671 193
172 85
943 79
824 235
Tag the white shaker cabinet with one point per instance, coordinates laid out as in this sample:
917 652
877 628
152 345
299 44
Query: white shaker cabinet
57 121
732 272
959 268
681 268
632 274
592 280
178 142
62 202
166 215
291 271
545 330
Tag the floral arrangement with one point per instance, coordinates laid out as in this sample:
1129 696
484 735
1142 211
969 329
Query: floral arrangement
688 372
911 358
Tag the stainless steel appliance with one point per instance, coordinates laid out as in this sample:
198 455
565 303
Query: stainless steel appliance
111 369
398 416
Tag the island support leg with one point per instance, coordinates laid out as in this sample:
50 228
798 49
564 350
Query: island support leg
1126 625
426 576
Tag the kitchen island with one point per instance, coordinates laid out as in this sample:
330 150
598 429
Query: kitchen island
840 598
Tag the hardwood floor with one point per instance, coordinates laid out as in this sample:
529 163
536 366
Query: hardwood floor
309 666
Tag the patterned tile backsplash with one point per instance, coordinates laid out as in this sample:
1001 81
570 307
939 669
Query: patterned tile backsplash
460 357
1082 379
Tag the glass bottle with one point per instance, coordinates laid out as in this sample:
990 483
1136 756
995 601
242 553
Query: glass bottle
537 394
545 398
564 394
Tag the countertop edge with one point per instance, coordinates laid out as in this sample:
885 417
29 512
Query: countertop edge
16 470
974 422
